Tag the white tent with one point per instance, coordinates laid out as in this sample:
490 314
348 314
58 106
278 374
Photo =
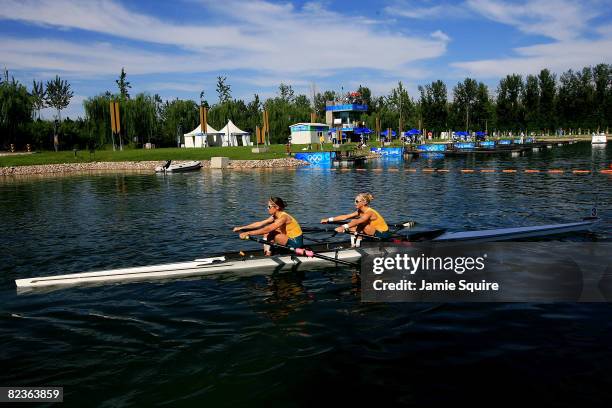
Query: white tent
196 138
231 133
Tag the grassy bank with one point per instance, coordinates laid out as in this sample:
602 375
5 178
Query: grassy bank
234 153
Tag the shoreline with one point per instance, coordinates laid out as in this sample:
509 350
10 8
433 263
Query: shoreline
69 168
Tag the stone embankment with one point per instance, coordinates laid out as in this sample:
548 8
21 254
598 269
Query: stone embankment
139 166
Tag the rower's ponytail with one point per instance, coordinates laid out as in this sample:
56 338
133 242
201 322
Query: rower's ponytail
367 197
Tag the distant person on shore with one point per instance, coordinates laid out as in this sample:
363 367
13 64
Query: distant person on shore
321 141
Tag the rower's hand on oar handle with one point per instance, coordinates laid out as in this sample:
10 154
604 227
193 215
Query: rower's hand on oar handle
340 229
325 220
244 235
237 229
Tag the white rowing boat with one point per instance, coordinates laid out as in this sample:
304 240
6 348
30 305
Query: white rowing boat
168 167
253 260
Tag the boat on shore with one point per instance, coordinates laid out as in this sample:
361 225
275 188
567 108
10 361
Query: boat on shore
323 254
169 167
599 139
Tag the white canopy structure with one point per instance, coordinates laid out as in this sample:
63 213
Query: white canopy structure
196 138
231 133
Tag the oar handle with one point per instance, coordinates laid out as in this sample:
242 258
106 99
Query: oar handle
302 251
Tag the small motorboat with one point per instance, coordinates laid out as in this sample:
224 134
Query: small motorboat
599 139
168 167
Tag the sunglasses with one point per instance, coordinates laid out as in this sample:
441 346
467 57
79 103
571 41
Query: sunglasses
357 201
270 206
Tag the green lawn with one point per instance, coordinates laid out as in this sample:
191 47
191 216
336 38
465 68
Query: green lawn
83 156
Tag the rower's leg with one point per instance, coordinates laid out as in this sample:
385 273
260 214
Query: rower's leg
266 248
281 239
370 230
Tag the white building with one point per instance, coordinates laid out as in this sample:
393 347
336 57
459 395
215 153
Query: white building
308 133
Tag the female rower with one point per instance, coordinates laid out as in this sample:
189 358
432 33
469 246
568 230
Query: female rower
280 227
364 220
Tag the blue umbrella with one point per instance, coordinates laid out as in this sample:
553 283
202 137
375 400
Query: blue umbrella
413 132
393 134
362 131
479 133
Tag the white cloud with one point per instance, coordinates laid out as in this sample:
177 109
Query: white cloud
439 35
258 35
557 57
424 10
93 59
566 22
557 19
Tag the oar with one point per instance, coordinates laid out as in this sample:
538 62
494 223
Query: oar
398 226
361 234
401 225
302 252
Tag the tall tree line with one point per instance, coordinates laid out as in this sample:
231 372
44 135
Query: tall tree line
575 100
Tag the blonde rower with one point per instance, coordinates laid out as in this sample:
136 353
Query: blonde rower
364 219
279 227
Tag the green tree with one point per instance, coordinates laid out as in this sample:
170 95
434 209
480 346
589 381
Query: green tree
123 85
531 103
224 90
464 100
16 109
575 105
434 106
510 114
38 96
548 95
253 115
140 119
602 77
321 100
365 94
178 117
483 110
284 112
399 106
58 97
97 113
286 92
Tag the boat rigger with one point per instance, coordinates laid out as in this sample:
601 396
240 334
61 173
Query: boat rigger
326 253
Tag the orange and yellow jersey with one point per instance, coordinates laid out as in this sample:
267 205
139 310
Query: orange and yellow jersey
379 223
292 228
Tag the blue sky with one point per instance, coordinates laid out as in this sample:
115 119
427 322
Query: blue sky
178 48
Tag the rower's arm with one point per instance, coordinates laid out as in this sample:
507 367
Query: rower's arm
340 217
270 227
361 220
255 225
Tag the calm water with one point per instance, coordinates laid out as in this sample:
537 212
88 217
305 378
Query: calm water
295 338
